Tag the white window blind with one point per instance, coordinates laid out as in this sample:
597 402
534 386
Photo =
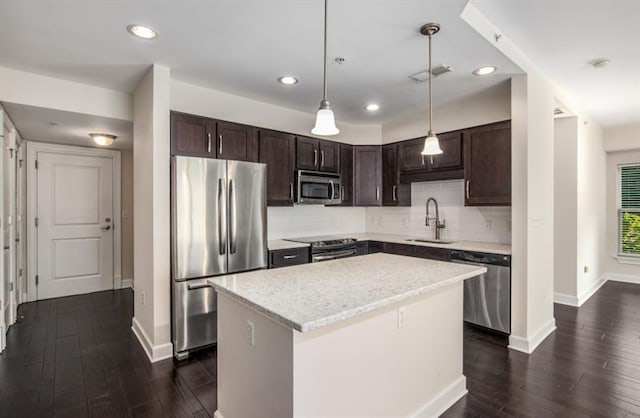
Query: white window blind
629 210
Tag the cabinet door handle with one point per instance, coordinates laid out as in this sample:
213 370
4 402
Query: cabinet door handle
315 157
423 163
220 146
321 158
342 193
394 193
378 193
468 183
289 257
209 142
291 191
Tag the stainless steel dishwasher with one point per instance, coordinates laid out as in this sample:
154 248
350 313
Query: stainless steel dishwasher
487 298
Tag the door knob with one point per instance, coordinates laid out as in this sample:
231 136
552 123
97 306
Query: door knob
106 228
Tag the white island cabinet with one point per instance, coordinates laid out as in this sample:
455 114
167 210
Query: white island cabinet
373 336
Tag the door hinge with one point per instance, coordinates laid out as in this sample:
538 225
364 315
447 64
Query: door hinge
11 287
10 152
36 164
19 272
20 163
37 280
36 221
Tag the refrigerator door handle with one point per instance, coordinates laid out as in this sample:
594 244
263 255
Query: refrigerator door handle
222 225
232 218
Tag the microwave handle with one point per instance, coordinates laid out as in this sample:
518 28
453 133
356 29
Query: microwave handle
333 189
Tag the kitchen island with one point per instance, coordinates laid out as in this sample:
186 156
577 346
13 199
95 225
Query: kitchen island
376 335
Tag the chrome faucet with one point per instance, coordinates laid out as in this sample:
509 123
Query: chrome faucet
439 225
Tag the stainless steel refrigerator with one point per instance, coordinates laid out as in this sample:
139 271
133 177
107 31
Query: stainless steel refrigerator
218 226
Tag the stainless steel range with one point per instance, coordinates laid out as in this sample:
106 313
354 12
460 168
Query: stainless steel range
329 247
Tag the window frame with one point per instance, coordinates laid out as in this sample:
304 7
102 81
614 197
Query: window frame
634 258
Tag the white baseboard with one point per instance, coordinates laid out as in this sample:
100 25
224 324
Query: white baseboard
155 353
528 345
127 283
444 400
563 299
578 301
626 278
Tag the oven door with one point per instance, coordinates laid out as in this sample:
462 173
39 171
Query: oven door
333 254
318 188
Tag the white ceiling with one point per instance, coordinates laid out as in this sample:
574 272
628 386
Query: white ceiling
563 37
71 128
243 46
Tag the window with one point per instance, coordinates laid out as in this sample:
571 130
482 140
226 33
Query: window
629 210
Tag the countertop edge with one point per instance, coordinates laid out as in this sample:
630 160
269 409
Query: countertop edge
459 245
342 316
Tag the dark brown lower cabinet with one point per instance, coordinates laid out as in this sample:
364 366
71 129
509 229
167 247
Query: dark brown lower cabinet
418 251
289 257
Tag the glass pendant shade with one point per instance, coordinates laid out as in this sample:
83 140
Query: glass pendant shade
325 121
431 144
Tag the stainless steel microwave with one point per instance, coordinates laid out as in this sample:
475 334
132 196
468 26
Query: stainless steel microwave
315 188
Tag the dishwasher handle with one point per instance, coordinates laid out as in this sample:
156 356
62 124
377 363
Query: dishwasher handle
481 258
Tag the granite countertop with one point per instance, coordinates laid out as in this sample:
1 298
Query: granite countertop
311 296
484 247
280 244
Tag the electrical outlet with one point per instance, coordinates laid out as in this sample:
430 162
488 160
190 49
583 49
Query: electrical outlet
143 298
251 333
586 269
402 316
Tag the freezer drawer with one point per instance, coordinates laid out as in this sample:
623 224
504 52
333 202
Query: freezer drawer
194 316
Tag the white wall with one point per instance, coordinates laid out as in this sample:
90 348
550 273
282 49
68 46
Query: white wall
152 308
622 138
54 93
566 206
127 213
591 237
202 101
466 223
614 268
492 105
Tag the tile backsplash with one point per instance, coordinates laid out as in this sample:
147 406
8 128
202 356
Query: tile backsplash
484 224
311 220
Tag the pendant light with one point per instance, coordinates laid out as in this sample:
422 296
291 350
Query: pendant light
325 121
431 143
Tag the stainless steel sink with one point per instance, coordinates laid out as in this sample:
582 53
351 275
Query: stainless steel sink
433 241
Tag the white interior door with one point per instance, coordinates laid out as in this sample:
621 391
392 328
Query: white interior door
74 224
9 223
4 280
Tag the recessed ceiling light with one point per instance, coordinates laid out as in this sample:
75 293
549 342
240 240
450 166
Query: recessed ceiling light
288 80
600 62
103 140
486 70
372 107
141 31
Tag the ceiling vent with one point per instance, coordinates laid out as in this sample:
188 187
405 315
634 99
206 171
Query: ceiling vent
558 111
438 70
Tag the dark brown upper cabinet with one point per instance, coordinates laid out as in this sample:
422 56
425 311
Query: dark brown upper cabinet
277 150
192 135
317 155
367 163
487 165
346 174
236 142
393 193
417 167
198 136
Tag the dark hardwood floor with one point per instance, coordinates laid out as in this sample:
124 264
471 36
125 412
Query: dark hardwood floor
589 367
77 357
